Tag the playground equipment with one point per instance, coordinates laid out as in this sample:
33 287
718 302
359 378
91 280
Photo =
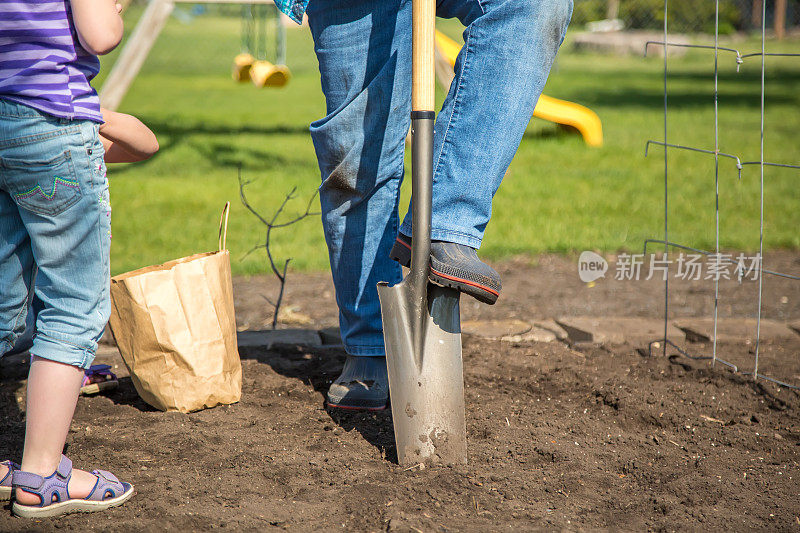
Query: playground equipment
244 60
265 74
147 30
262 72
569 114
242 64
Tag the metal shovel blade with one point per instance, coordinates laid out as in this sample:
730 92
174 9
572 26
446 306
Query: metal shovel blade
426 383
421 324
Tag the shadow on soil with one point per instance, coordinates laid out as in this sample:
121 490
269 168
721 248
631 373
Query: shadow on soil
126 394
318 367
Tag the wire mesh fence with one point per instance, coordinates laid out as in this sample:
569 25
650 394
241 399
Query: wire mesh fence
668 144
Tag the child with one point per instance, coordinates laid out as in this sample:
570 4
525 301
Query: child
55 231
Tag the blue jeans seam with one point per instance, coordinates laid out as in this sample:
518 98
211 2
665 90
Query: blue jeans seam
23 312
350 348
98 226
38 137
455 101
454 232
59 351
445 231
81 360
366 346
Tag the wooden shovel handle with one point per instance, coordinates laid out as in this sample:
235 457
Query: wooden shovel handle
423 37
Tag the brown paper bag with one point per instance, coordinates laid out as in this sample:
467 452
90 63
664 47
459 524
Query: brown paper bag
175 327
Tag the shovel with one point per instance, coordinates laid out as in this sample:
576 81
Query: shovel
421 323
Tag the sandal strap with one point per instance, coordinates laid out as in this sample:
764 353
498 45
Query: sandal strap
107 486
64 470
6 481
97 370
45 487
26 480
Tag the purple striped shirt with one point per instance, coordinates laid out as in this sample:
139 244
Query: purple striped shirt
42 63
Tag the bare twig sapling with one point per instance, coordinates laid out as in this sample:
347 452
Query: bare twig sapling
271 224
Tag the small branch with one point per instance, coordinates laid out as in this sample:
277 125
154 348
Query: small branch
250 251
270 225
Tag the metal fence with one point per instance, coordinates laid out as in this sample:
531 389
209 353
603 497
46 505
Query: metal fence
693 16
668 144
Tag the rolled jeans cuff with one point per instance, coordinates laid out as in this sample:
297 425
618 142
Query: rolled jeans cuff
447 236
74 352
365 351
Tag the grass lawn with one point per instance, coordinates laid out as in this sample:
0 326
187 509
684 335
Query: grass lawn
559 194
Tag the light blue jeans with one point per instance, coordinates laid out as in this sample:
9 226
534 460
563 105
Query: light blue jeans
55 234
364 53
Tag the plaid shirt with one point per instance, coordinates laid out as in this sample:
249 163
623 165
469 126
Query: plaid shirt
293 9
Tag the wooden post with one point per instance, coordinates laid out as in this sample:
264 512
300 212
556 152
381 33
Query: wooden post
133 55
780 19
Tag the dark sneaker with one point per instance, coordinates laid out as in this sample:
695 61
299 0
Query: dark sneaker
455 266
362 386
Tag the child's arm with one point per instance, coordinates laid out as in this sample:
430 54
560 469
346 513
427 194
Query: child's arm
98 24
125 138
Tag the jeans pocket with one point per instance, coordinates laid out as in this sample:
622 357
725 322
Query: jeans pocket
47 187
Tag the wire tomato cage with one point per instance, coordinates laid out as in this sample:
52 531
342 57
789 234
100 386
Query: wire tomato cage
740 58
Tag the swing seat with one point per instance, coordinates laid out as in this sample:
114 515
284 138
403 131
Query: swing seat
265 74
242 64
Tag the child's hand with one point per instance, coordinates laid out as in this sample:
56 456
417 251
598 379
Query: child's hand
98 24
125 138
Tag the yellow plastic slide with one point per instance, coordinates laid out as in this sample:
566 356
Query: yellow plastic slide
562 112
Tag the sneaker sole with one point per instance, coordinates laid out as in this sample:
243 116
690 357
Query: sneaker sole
354 407
480 292
401 252
5 494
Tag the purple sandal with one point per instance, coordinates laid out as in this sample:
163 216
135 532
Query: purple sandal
98 378
108 492
5 483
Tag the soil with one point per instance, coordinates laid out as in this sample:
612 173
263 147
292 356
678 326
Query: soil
560 436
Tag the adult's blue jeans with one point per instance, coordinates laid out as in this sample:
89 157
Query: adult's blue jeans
55 235
364 53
